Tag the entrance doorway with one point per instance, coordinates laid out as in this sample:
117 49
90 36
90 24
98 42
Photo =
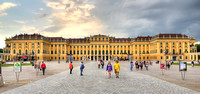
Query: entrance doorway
91 57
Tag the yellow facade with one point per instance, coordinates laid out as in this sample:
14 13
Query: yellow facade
159 47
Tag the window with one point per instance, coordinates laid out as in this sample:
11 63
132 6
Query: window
143 45
70 52
26 43
107 39
161 57
185 44
103 39
173 44
32 43
106 51
95 39
117 51
160 44
63 52
143 52
103 46
173 51
14 51
55 45
147 45
55 58
77 46
63 58
77 51
135 52
117 46
81 46
167 51
179 44
26 51
110 52
38 57
55 52
84 51
88 52
186 51
180 51
114 52
81 52
51 45
139 45
99 52
14 43
135 45
51 57
95 51
136 57
74 52
99 39
38 43
161 51
51 52
38 51
180 57
166 44
19 51
103 52
143 57
147 57
95 46
185 57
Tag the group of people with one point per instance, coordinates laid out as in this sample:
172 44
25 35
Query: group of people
140 65
116 69
101 63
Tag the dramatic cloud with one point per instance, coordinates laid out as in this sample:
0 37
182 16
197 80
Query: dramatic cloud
73 16
28 29
6 5
144 17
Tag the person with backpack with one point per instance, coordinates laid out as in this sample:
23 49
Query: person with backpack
43 67
109 69
141 65
102 64
131 65
147 65
70 67
192 63
81 68
117 69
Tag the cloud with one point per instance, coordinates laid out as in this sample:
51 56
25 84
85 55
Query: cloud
41 9
6 5
143 17
72 16
28 29
3 14
18 21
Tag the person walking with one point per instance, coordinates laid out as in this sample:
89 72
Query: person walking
192 63
147 65
81 68
168 65
102 64
43 67
109 69
99 63
117 69
70 67
131 65
136 65
141 65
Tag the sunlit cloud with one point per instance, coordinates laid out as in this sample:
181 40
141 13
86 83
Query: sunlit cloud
20 22
3 14
6 5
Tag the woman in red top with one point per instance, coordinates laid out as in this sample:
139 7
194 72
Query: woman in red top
70 67
43 67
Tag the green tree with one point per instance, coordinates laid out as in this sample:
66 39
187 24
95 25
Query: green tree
198 47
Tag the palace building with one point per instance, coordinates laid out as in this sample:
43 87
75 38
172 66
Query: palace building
96 47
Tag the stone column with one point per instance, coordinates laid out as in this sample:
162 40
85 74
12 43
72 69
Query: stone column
196 57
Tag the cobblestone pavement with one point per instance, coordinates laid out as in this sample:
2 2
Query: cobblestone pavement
95 81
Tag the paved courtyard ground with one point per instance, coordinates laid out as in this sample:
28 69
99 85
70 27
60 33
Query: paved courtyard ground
95 81
28 74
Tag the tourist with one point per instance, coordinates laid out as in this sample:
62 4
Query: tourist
109 69
147 65
136 65
81 68
99 63
192 63
141 65
102 64
131 65
168 65
117 69
70 67
43 67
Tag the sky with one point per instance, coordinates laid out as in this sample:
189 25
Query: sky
82 18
